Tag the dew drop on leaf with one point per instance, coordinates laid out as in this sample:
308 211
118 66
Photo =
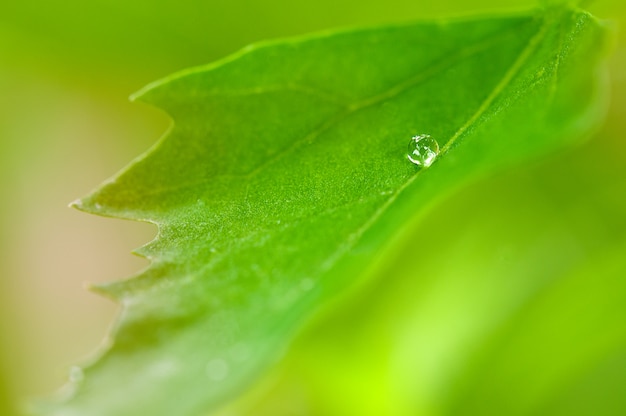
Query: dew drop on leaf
423 150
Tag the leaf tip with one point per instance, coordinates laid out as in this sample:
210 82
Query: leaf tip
104 289
149 93
140 96
88 205
76 204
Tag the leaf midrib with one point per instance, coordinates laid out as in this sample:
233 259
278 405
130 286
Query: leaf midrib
351 108
485 105
482 109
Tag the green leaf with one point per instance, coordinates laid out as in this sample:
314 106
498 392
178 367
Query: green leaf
518 310
285 179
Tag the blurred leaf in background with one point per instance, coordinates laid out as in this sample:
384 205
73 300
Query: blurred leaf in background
519 310
66 69
287 162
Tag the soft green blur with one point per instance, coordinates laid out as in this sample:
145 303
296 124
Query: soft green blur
66 69
482 316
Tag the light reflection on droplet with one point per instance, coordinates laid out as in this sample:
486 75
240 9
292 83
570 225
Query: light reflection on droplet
423 150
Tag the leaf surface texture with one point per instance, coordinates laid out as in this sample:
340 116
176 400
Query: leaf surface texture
285 176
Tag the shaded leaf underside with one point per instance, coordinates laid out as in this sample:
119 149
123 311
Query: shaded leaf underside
285 175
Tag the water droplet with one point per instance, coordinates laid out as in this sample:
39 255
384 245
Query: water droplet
217 369
423 150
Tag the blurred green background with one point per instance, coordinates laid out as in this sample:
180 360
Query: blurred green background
66 70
